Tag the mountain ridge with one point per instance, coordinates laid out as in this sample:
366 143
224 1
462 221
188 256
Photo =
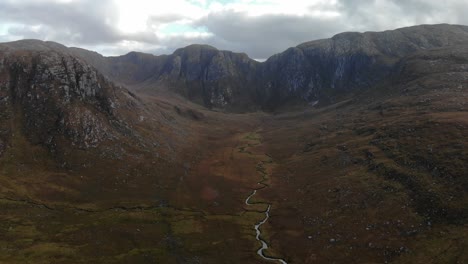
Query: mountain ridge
318 71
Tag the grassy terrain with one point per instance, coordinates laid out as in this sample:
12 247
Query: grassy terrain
374 181
146 210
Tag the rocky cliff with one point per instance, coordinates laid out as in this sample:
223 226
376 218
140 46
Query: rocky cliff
312 72
321 70
54 97
201 73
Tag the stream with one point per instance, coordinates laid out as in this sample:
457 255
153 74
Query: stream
257 230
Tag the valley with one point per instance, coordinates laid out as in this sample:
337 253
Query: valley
205 156
327 196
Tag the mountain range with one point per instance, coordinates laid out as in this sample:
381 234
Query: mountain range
313 71
348 149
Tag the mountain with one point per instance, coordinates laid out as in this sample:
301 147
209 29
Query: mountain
58 96
121 160
59 114
58 101
323 69
312 72
201 73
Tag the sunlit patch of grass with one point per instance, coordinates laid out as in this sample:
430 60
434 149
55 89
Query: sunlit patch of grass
187 226
253 136
49 250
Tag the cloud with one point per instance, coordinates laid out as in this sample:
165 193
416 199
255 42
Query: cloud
388 14
158 20
258 27
70 22
262 36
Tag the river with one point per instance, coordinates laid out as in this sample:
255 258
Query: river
257 226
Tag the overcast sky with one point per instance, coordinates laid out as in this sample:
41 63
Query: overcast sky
259 28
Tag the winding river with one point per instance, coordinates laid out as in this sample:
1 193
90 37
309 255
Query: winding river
261 250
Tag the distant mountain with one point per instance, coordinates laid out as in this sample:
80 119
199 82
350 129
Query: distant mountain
323 69
313 71
201 73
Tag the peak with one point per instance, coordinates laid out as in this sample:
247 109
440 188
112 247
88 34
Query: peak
433 26
195 48
34 44
200 46
137 54
350 34
426 31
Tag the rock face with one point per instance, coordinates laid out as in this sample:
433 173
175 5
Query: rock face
312 72
209 76
56 96
319 70
203 74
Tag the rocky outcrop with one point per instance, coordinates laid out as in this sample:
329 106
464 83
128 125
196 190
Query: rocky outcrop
321 70
209 76
56 96
203 74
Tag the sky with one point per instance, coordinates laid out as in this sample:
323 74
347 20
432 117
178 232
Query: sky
259 28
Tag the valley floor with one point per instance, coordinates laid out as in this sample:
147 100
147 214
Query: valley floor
341 185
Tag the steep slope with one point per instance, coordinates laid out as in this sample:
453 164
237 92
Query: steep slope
48 89
59 115
134 67
325 69
201 73
211 77
58 101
